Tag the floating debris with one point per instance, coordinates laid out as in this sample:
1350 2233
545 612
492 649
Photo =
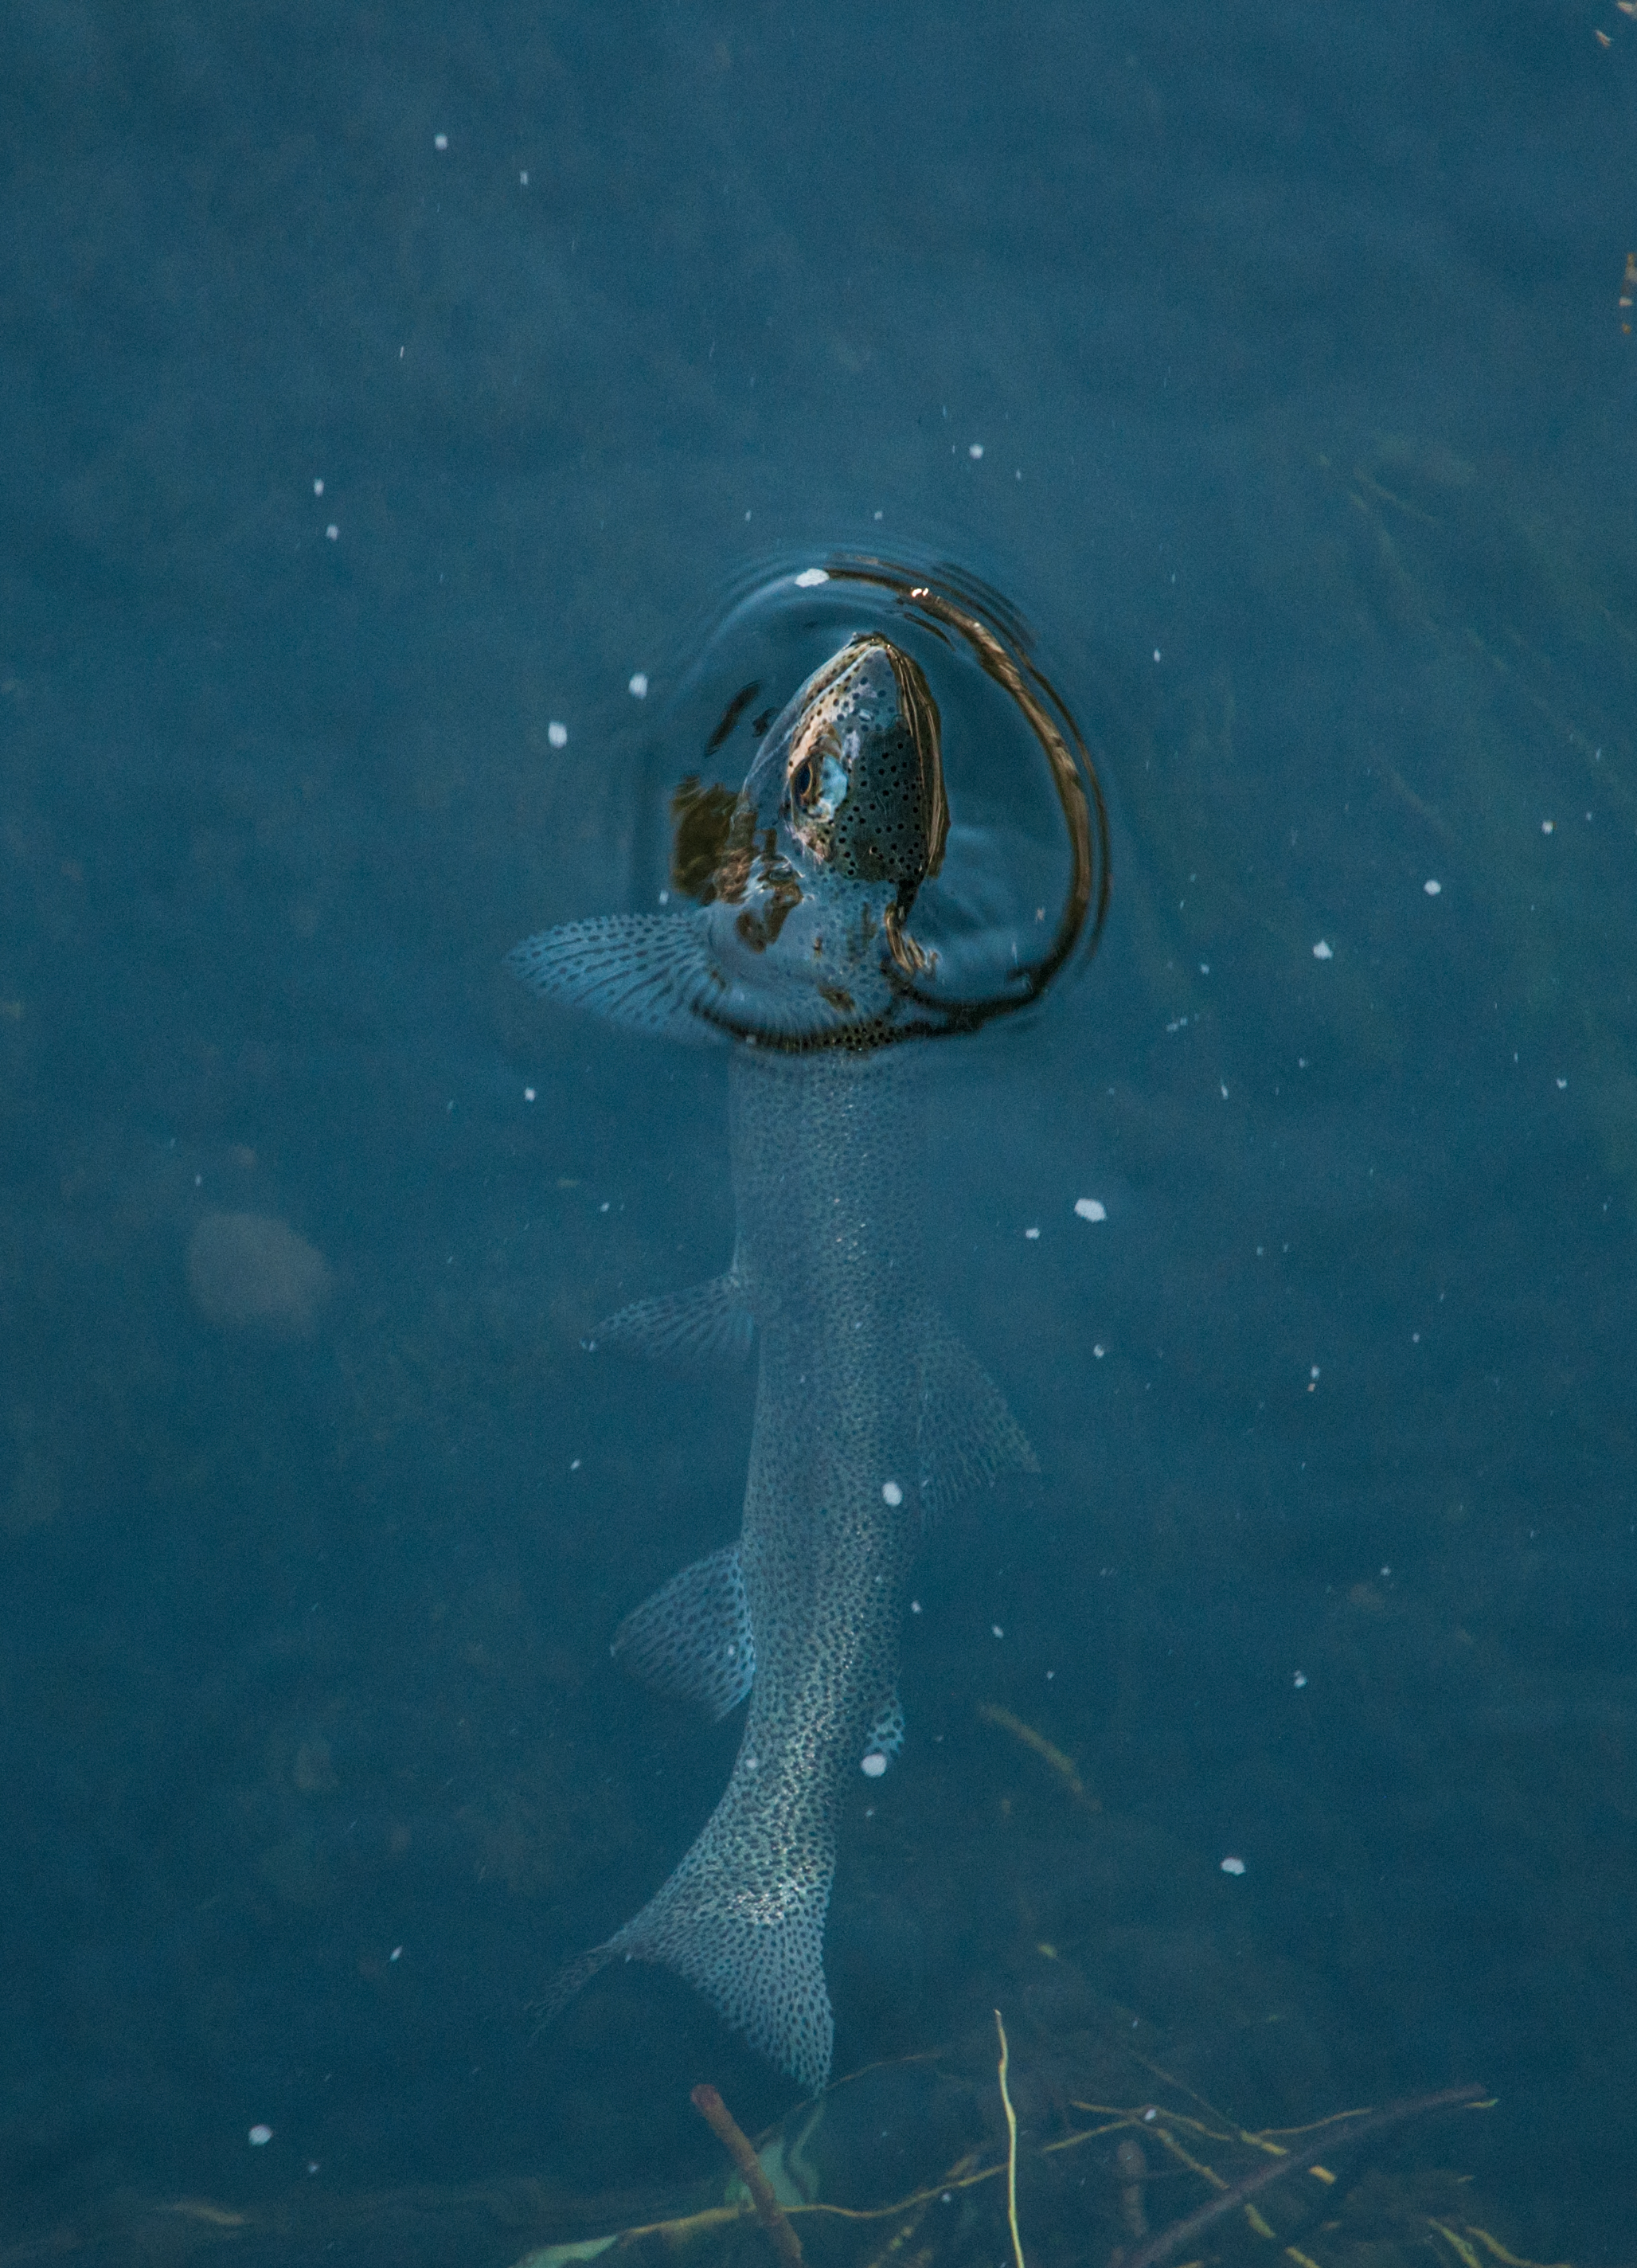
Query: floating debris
769 2212
1049 1752
247 1271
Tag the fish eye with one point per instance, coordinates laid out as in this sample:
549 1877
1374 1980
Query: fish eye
802 780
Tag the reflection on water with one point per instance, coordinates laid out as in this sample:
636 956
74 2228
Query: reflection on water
1305 423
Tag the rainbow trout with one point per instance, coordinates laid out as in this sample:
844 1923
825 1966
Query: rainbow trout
869 1413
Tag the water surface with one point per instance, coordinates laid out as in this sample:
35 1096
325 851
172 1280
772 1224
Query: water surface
1269 363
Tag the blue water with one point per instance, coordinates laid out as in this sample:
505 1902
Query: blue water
1290 345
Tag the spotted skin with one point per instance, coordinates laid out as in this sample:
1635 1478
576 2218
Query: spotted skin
868 1413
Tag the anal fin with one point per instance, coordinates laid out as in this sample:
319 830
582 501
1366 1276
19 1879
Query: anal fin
692 1639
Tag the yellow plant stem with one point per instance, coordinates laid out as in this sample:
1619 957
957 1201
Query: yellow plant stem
1011 2146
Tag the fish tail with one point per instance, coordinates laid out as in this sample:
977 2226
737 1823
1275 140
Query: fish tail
753 1947
569 1982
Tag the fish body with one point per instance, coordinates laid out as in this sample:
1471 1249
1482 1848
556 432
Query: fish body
870 1414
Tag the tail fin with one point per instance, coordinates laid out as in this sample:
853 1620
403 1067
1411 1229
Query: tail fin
753 1946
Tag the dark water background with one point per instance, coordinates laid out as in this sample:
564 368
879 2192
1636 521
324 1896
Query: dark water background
1289 336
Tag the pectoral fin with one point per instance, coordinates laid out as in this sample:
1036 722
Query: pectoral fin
708 1323
692 1639
648 971
967 1433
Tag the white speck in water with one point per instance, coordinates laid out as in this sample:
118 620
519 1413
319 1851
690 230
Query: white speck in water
1033 1235
873 1765
318 488
1299 1680
440 141
528 1094
998 1632
397 1952
1099 1352
259 2137
975 450
523 177
752 1763
664 897
557 735
333 533
1547 826
1224 1090
1090 1209
1233 1866
605 1204
891 1493
1157 654
574 1466
1322 952
1313 1373
1563 1083
638 687
1205 969
914 1606
1432 888
1386 1571
878 515
810 577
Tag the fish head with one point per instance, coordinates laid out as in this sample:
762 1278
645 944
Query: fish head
810 873
862 786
